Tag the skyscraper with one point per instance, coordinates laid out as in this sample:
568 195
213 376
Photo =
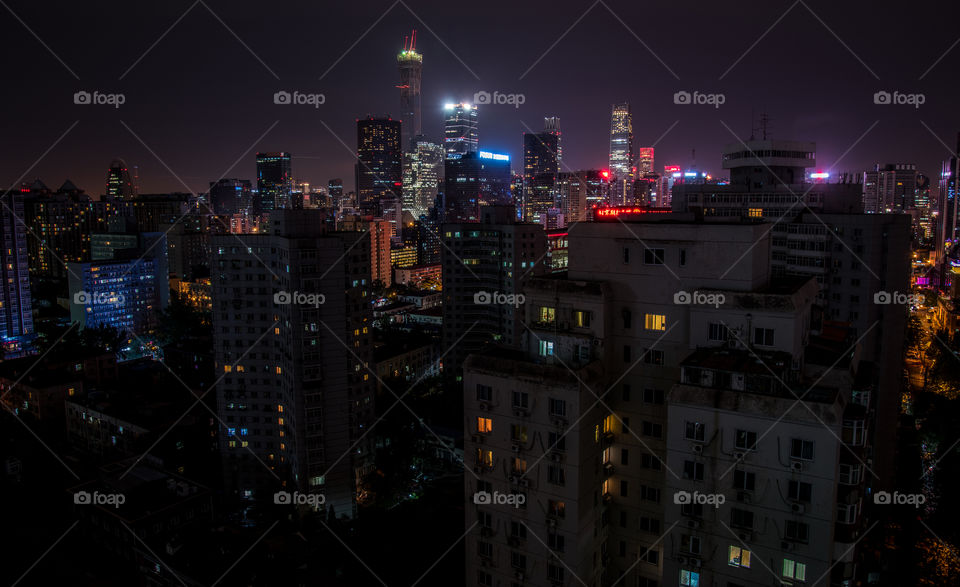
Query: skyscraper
621 154
422 173
230 196
460 129
379 167
16 311
335 191
890 188
293 349
119 184
410 63
540 169
274 182
474 180
644 161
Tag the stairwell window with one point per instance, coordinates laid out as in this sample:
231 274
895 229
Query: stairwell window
655 322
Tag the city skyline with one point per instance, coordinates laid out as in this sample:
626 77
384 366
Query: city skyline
832 109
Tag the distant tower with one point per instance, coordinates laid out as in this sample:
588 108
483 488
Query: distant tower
379 169
644 161
119 184
621 153
411 71
274 182
460 135
551 124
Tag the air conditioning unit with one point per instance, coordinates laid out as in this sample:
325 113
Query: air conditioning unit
694 562
515 448
698 449
739 456
682 560
796 466
797 508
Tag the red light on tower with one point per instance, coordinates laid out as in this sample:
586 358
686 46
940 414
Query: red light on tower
605 174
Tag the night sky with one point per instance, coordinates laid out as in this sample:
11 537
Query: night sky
202 102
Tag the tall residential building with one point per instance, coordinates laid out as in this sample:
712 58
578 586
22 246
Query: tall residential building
379 168
274 182
127 289
460 134
230 196
890 188
16 308
119 184
540 168
422 174
947 223
621 155
291 336
410 63
638 377
821 231
474 314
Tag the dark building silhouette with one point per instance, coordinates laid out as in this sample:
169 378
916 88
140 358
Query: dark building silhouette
379 167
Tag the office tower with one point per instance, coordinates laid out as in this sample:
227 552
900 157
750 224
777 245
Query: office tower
540 169
473 278
379 162
422 174
16 308
335 191
298 414
821 231
410 63
600 417
948 213
472 181
274 182
925 205
891 188
460 134
127 289
188 246
495 178
119 184
551 124
645 161
230 196
621 155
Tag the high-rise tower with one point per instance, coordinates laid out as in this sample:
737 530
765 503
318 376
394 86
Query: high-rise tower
411 70
274 182
621 153
119 184
379 163
460 129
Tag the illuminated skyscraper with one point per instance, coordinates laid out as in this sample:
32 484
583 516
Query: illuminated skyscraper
16 311
379 162
230 196
274 182
645 161
621 154
119 184
460 129
540 168
411 70
422 173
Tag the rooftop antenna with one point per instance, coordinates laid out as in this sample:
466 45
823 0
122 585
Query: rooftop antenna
413 40
764 123
753 129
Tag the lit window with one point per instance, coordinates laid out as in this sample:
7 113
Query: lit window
484 425
581 318
227 368
738 557
689 578
548 314
655 322
546 348
755 212
794 570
